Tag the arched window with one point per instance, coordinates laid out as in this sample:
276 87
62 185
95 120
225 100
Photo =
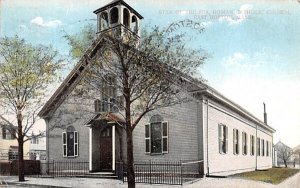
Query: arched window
156 135
126 17
103 21
114 15
70 142
134 24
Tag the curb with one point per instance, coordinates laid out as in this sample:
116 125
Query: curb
33 185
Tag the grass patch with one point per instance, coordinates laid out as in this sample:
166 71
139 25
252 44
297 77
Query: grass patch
272 175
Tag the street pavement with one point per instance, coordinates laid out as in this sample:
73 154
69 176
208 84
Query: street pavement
12 182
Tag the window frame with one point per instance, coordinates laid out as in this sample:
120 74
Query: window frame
267 148
223 138
262 147
258 146
236 150
148 139
65 144
244 143
252 145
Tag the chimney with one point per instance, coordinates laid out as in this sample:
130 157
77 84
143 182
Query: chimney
265 114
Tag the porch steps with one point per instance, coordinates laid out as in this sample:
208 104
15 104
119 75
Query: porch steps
104 175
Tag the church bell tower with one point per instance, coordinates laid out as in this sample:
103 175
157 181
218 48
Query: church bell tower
118 18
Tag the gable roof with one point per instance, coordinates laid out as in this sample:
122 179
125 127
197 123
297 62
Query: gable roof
75 75
71 80
281 144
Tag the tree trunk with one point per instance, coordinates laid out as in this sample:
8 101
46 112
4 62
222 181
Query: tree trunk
130 166
285 163
21 168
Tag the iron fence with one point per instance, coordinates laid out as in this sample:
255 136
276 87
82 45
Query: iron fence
68 168
156 172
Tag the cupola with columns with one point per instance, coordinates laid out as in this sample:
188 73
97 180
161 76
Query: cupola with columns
118 17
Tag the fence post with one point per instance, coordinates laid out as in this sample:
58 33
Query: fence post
180 172
150 172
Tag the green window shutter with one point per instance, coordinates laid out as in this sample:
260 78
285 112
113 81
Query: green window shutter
165 137
64 142
75 143
147 138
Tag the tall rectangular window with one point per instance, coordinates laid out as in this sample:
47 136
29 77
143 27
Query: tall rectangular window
223 138
267 146
244 137
263 147
258 146
235 141
252 145
147 137
156 137
70 143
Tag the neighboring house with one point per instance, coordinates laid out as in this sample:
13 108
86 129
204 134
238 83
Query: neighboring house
285 154
9 144
37 148
296 156
209 128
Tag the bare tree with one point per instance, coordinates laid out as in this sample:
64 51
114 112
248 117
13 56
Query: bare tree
149 73
26 71
284 153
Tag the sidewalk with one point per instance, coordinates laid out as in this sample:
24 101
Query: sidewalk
293 182
75 182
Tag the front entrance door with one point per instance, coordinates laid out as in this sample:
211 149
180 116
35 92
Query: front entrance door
105 148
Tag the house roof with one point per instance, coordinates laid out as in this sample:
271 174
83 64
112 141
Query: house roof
118 2
280 144
106 116
75 75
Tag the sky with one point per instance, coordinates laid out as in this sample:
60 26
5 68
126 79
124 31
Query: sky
253 46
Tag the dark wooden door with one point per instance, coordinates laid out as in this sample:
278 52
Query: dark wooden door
106 149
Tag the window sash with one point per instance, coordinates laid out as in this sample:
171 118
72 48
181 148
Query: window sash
223 139
64 140
252 144
263 147
258 146
267 146
164 138
75 143
235 141
244 144
65 144
147 138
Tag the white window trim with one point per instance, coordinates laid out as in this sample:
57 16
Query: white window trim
236 142
244 143
66 144
267 147
252 145
162 138
263 147
167 137
76 143
258 145
65 153
148 138
221 139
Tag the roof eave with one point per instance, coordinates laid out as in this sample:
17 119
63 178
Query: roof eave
116 3
215 94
